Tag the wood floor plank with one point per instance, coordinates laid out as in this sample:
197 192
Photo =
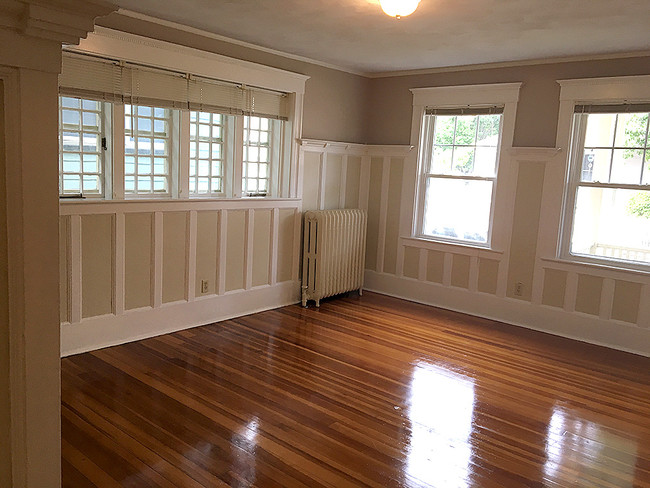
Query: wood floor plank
365 391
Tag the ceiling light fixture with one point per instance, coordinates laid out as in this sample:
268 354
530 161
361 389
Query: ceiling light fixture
399 8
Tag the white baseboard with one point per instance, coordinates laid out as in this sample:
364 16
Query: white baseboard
110 330
582 327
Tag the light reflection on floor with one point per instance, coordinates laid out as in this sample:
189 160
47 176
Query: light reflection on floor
440 409
579 446
244 444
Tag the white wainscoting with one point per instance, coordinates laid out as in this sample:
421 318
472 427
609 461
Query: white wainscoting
280 249
615 308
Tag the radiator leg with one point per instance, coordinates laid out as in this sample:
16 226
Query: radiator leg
317 302
304 296
360 292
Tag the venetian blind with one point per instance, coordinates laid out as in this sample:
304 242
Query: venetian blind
112 80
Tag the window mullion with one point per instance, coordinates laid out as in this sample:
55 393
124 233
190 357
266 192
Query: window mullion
184 155
238 156
118 151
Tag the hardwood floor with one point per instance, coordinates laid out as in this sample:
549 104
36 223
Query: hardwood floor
369 391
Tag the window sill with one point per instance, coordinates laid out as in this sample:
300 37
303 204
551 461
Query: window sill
456 248
579 265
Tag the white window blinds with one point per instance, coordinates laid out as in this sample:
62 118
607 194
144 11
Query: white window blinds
111 80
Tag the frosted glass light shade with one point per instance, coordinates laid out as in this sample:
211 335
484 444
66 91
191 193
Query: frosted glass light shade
399 8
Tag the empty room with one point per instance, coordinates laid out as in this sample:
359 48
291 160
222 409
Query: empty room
324 244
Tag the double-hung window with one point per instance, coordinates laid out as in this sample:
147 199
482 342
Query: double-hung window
607 205
82 146
464 189
460 149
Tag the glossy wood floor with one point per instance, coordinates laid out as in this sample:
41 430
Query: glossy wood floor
369 391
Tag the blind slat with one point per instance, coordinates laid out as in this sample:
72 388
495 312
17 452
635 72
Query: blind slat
465 111
613 108
114 81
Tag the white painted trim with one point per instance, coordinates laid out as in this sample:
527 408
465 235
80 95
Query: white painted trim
465 95
157 260
354 149
109 330
534 154
364 186
190 264
145 206
322 179
297 234
344 181
508 64
383 212
607 299
582 327
132 48
249 229
222 248
466 250
273 246
614 89
119 242
230 40
76 275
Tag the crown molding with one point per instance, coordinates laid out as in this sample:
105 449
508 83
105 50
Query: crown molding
236 42
508 64
63 21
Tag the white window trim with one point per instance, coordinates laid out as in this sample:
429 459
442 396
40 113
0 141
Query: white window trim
132 48
504 94
552 235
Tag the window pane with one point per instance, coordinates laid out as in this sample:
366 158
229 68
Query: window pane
70 117
70 102
71 183
488 130
91 163
595 165
463 162
457 209
600 130
71 163
631 130
485 161
90 184
612 223
466 129
626 166
444 130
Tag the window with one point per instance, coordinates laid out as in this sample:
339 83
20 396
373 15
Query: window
459 169
82 145
608 195
258 136
147 142
174 135
465 186
207 153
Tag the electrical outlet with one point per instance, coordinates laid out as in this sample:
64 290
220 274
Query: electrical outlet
204 286
519 289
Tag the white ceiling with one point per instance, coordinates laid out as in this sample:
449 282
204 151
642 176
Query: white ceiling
356 35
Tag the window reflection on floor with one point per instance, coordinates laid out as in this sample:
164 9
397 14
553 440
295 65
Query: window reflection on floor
582 449
440 409
244 442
